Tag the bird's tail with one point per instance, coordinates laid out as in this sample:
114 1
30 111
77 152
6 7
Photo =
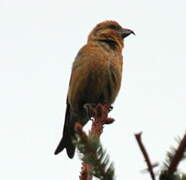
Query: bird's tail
68 135
66 142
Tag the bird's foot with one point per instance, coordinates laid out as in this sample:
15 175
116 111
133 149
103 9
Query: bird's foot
110 108
95 111
102 111
90 110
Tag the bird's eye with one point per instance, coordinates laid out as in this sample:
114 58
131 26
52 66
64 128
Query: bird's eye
114 27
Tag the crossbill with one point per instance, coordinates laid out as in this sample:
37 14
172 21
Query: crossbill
95 78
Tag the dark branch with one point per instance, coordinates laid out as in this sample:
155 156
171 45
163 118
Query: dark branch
147 159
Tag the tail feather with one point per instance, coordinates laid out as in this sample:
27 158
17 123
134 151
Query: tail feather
68 135
66 142
60 146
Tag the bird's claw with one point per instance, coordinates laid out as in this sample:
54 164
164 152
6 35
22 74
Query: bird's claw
90 110
110 108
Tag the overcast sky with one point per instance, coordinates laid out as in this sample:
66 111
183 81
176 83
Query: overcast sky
38 42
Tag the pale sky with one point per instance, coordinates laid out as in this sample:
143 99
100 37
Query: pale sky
38 42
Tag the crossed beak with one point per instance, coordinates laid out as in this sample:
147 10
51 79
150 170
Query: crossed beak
126 32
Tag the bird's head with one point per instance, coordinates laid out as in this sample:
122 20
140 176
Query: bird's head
110 32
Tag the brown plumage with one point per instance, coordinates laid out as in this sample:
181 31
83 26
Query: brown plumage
95 78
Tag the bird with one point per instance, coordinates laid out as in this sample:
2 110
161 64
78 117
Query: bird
95 77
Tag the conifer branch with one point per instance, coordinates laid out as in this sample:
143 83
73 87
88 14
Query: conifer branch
173 159
94 157
93 154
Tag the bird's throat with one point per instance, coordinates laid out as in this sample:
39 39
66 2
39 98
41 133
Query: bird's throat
112 44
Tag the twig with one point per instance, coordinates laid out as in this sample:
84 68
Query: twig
85 172
177 157
147 159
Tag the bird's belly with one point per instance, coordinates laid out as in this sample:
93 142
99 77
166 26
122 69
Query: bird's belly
96 87
99 88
